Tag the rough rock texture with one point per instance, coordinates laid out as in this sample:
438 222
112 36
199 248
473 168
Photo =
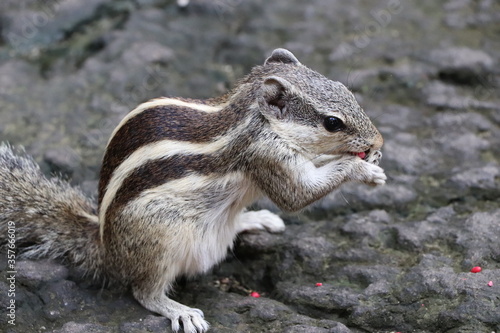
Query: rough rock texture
390 259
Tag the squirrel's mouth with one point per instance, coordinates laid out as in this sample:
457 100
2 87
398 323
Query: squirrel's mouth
363 155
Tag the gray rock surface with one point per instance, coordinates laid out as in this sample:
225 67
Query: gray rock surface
390 259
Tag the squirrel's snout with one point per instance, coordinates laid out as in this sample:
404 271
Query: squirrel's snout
378 142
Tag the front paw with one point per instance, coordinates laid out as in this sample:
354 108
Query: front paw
374 157
372 174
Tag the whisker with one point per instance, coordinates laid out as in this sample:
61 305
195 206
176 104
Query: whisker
345 199
375 117
324 154
328 152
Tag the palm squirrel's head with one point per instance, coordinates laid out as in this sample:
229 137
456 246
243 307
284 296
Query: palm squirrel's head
316 115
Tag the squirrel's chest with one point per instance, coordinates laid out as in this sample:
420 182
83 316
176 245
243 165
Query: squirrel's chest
206 198
226 200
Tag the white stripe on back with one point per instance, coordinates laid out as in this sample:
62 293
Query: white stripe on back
164 102
153 151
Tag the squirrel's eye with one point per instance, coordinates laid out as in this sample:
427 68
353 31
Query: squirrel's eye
333 124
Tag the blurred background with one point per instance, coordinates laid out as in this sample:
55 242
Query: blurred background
426 72
71 69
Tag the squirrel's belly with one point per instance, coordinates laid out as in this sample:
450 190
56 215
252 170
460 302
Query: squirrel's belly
198 214
219 222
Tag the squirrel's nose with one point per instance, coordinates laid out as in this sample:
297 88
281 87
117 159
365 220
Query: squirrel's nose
378 141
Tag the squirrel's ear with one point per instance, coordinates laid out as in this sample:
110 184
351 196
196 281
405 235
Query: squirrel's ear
274 91
282 56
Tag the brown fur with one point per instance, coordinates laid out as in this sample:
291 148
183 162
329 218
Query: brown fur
159 123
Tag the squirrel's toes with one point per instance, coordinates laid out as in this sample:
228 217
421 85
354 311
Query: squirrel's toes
191 319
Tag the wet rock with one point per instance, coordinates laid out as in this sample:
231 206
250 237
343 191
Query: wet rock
259 242
370 225
455 120
361 197
333 327
89 187
407 153
482 178
154 324
394 120
34 273
415 235
462 14
61 298
461 65
146 62
62 161
433 277
30 28
445 96
467 146
374 278
141 53
480 238
72 327
325 298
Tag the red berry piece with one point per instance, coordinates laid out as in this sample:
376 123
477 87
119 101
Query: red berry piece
319 284
476 269
255 294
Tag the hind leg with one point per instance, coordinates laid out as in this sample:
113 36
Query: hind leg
151 260
153 282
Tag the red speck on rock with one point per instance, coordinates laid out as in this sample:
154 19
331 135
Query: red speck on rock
255 294
490 284
319 284
476 269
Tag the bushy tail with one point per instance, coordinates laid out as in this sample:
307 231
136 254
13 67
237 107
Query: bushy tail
48 216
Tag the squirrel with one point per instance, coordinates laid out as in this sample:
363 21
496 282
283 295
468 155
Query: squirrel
178 174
